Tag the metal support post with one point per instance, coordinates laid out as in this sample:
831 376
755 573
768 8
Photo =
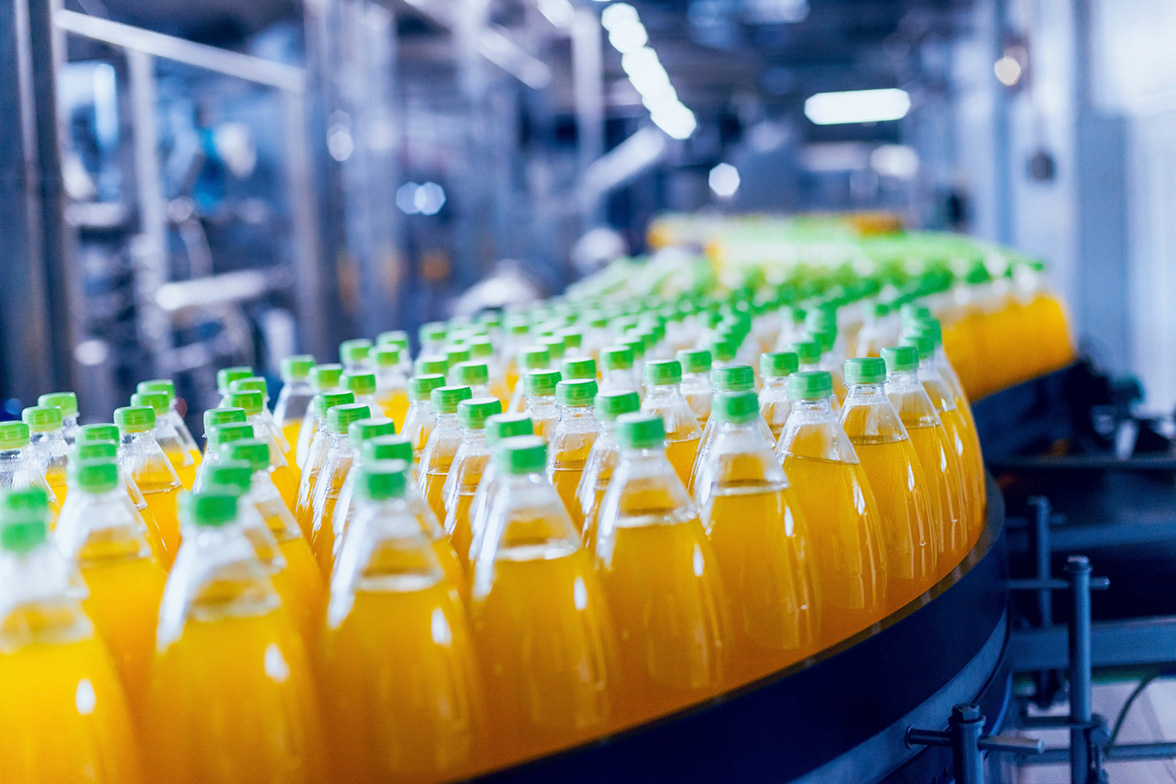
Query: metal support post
966 739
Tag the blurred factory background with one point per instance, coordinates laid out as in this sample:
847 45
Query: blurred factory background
189 184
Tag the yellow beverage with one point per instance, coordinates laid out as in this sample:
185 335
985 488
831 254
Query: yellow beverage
435 476
967 448
322 529
942 471
183 464
291 430
681 455
566 478
161 493
395 407
457 524
57 483
847 540
286 479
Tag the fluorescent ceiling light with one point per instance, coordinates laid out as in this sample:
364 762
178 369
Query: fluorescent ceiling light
628 38
618 15
675 119
857 106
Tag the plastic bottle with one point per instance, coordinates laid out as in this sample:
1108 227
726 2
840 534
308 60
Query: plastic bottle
774 403
299 583
63 716
218 437
68 403
539 400
602 459
940 463
696 383
432 336
276 433
465 473
219 416
101 532
475 375
761 542
437 456
339 452
454 356
498 428
664 398
661 580
896 477
359 432
391 383
166 436
47 447
363 386
402 699
418 422
529 358
356 355
232 698
140 457
168 387
832 491
106 435
296 397
225 378
324 379
571 442
578 369
728 378
875 332
616 365
541 625
431 364
316 455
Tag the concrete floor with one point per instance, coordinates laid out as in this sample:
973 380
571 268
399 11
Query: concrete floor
1152 718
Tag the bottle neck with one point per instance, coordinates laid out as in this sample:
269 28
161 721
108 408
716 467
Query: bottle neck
899 381
143 438
445 420
662 393
813 410
775 384
865 395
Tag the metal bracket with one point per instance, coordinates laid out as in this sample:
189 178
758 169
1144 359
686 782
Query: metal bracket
964 738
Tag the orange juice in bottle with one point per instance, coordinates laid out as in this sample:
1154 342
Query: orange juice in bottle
101 440
616 370
47 447
664 398
359 432
316 453
498 427
324 380
68 403
100 531
214 417
539 400
399 339
339 452
762 545
18 468
140 457
225 378
896 477
465 473
391 383
363 386
295 399
661 578
401 692
63 716
571 442
419 420
941 466
775 405
276 433
832 491
728 378
441 448
603 459
232 698
541 625
482 350
166 436
168 387
286 477
696 382
218 436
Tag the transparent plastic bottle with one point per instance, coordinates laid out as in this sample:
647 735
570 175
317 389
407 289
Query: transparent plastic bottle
232 697
101 440
295 398
359 433
356 355
168 387
729 378
571 442
465 473
761 543
47 447
225 378
391 383
401 693
832 491
324 380
363 386
814 356
338 454
399 339
218 437
219 416
723 353
498 428
441 448
529 358
660 576
68 403
541 625
166 436
603 459
140 457
539 400
418 422
276 433
475 375
298 582
101 532
876 332
775 405
432 336
316 454
696 383
63 714
454 356
664 398
616 367
896 477
940 463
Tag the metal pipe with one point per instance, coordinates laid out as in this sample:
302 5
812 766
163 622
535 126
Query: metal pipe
967 724
1078 569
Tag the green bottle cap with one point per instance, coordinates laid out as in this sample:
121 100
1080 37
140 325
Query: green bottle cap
297 368
386 448
103 431
360 383
355 352
134 419
540 382
393 337
473 413
572 338
251 402
367 429
481 347
922 343
695 360
455 355
325 401
254 452
808 351
554 345
521 455
502 426
386 356
737 407
226 376
664 371
865 370
156 401
472 373
930 328
432 332
209 508
779 364
421 387
900 358
24 516
232 475
733 378
431 364
94 450
977 274
340 418
164 385
578 368
576 394
223 416
810 385
534 358
610 405
446 399
616 358
251 384
224 434
640 431
636 344
326 377
95 475
41 419
382 480
66 401
723 350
